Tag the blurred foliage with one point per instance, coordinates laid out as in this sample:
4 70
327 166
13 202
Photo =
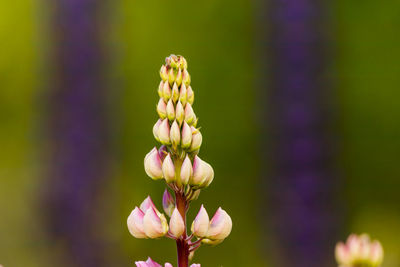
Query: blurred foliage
218 39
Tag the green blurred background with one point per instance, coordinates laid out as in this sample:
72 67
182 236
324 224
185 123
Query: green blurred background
219 39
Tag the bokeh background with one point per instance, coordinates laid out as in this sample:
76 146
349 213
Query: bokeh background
297 100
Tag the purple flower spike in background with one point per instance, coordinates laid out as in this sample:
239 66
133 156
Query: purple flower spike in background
303 183
184 172
79 133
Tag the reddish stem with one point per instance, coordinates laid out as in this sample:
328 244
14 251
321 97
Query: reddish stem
181 244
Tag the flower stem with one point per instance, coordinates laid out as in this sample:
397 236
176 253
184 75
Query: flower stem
181 244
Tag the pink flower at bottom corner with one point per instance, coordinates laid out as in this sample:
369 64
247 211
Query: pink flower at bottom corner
150 263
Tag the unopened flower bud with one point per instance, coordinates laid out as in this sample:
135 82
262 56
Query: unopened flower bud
209 176
148 263
183 62
220 225
195 195
160 89
179 113
201 172
162 109
175 134
166 91
147 204
162 151
376 253
170 110
153 164
190 117
178 79
201 223
167 264
135 223
176 224
156 128
173 61
163 132
171 76
186 77
197 139
155 225
186 171
186 135
175 92
168 203
190 95
195 264
183 94
168 169
164 73
194 124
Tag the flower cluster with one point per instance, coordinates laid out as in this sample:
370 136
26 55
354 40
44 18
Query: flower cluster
359 250
177 162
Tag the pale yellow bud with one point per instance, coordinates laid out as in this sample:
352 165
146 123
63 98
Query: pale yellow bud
175 134
170 110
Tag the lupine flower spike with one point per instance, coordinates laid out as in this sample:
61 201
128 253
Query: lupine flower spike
359 251
177 162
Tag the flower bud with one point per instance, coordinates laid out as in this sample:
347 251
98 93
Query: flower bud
171 76
376 253
175 92
155 225
202 171
170 110
167 264
168 203
201 223
153 164
186 171
141 264
162 109
195 195
166 91
190 117
135 223
183 62
176 224
162 151
175 134
148 263
160 89
164 73
195 265
179 113
179 78
168 169
183 94
190 95
220 225
147 204
186 77
173 61
186 135
156 128
209 176
163 132
197 139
